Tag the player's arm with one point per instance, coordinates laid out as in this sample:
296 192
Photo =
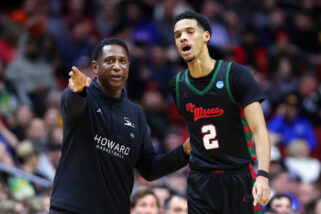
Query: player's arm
73 99
255 118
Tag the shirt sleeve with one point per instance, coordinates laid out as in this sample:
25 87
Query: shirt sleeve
152 165
243 86
72 104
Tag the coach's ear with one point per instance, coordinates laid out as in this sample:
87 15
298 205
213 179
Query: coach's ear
94 66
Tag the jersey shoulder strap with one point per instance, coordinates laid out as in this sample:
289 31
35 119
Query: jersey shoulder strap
227 83
177 88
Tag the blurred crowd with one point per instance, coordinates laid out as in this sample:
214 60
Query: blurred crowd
40 40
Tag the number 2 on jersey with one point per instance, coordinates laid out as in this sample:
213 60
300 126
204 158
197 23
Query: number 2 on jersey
209 136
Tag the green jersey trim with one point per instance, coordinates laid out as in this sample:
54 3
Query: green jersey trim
228 84
208 87
177 89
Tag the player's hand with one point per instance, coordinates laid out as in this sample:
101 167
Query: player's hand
187 147
261 191
78 81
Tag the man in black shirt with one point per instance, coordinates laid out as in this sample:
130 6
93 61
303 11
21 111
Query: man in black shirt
105 138
220 102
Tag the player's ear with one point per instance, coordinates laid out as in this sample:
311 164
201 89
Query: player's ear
207 36
94 66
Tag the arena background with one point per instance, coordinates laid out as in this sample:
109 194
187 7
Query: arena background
280 40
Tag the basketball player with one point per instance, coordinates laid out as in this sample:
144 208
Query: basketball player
220 102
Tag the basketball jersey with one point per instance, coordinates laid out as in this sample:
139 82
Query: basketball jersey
219 134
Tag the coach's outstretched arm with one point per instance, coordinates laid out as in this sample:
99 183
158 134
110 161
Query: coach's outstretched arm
73 99
255 118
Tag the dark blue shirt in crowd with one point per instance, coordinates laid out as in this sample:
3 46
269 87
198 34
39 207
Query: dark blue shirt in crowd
104 139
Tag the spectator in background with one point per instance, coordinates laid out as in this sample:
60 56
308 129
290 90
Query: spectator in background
234 29
74 45
78 11
307 193
144 202
176 204
285 82
213 11
287 125
37 132
11 96
51 117
28 155
283 182
160 70
48 160
280 203
106 18
163 192
282 48
177 181
38 205
163 15
309 94
155 109
144 30
32 72
250 52
172 139
298 160
21 119
306 32
314 207
261 20
9 41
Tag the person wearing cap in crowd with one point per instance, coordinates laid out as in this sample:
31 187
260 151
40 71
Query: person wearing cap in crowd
28 154
287 125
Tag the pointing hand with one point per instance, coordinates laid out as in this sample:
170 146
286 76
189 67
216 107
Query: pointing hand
78 80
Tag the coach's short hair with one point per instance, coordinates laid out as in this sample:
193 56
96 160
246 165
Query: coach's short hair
109 41
202 21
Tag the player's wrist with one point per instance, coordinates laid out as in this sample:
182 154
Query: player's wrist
263 173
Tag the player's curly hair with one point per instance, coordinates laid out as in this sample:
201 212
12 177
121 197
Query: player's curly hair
108 41
202 21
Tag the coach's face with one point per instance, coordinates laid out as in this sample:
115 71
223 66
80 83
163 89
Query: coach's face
190 39
111 69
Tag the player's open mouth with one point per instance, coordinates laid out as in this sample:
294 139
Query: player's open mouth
186 48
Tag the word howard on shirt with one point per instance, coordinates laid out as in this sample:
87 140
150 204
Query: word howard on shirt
111 147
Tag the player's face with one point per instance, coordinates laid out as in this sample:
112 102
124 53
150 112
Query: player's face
281 205
112 68
190 39
146 205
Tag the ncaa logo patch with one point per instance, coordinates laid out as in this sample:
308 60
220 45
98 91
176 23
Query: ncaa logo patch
219 84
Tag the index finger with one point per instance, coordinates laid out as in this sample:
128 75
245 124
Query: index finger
75 70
